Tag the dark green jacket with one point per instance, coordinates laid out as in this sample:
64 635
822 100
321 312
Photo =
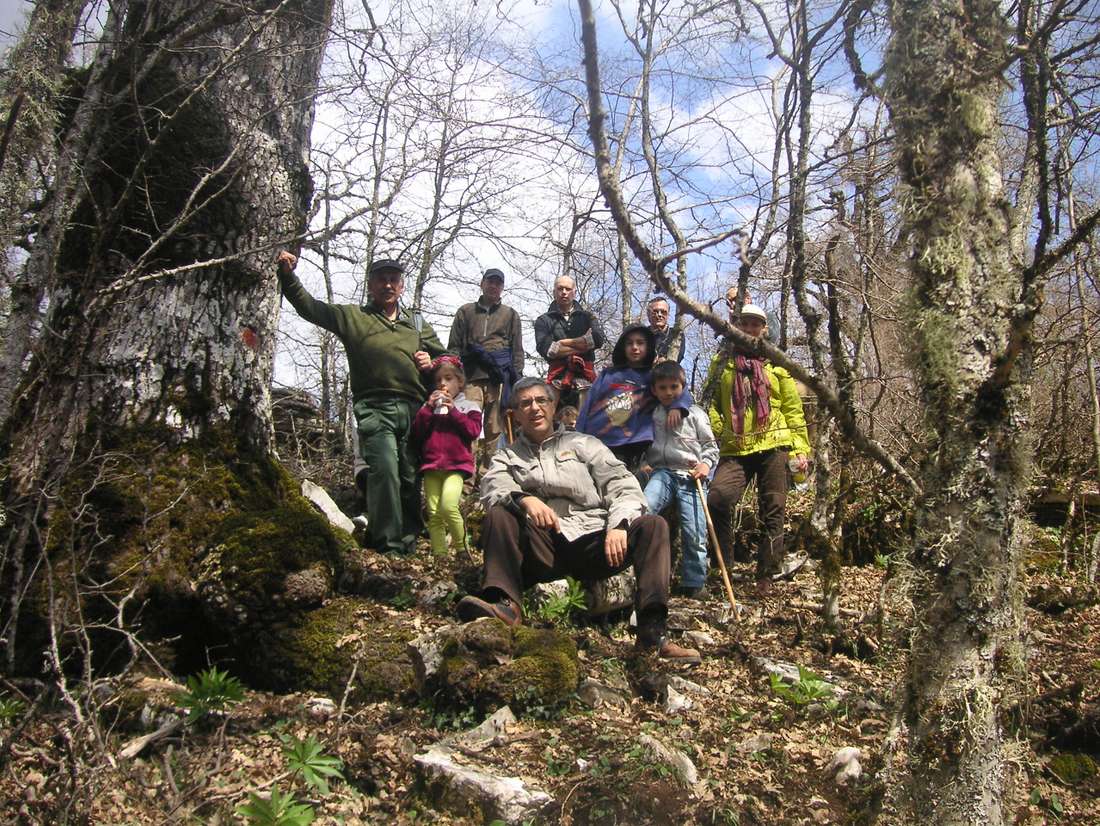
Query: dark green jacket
380 351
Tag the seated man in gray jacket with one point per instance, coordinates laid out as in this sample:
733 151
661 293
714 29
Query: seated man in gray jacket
558 503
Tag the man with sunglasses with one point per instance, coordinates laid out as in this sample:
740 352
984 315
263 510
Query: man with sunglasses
558 503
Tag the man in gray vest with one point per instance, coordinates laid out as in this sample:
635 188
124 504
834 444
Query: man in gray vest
488 337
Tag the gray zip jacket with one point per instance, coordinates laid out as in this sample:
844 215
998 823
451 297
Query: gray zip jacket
576 475
681 450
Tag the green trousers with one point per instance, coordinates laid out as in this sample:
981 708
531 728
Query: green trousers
393 495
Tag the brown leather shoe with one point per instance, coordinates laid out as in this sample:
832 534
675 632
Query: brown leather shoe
669 651
471 608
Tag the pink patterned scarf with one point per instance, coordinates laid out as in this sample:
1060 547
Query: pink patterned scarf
749 379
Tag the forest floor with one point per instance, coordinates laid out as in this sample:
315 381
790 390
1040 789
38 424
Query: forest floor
761 752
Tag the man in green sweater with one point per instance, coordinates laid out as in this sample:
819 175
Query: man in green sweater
388 348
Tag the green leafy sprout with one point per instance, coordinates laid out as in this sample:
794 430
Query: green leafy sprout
809 688
10 709
307 758
277 810
210 690
559 608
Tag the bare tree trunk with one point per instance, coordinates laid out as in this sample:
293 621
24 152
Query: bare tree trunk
31 92
183 171
943 73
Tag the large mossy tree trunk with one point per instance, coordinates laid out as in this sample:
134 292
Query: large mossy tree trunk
944 83
182 169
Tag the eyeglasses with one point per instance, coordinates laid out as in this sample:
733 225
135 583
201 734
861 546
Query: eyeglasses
542 401
658 312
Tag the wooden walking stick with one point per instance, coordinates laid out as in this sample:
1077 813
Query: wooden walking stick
717 547
508 425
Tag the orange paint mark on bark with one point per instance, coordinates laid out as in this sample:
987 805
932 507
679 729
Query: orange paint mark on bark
250 339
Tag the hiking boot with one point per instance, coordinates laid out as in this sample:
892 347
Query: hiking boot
670 652
506 610
699 592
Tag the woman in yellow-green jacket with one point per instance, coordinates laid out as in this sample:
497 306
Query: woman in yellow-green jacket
757 418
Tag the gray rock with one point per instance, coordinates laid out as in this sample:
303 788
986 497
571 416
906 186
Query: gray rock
675 759
320 708
675 702
699 639
595 694
436 594
492 727
543 592
687 686
427 652
323 502
611 594
845 765
464 783
761 742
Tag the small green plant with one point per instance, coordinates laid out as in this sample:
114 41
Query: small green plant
882 561
277 810
1052 804
559 608
210 690
404 600
307 758
809 688
10 708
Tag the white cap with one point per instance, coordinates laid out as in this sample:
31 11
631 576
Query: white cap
754 310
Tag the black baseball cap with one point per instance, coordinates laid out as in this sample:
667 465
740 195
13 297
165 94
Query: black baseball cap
493 272
386 265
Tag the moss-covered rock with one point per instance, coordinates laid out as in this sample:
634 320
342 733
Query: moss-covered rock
319 650
217 552
485 664
1072 768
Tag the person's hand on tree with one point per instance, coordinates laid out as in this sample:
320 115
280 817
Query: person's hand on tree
422 359
286 262
539 513
802 463
700 471
614 547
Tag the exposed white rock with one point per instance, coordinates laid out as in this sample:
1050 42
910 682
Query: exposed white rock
463 781
845 765
323 502
675 759
675 702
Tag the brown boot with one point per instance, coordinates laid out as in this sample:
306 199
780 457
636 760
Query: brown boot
669 651
506 610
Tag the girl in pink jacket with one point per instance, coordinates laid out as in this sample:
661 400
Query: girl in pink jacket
445 429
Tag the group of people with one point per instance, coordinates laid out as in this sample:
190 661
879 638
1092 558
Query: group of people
560 499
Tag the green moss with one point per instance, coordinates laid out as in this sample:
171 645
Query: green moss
320 652
545 669
252 553
1072 768
149 513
